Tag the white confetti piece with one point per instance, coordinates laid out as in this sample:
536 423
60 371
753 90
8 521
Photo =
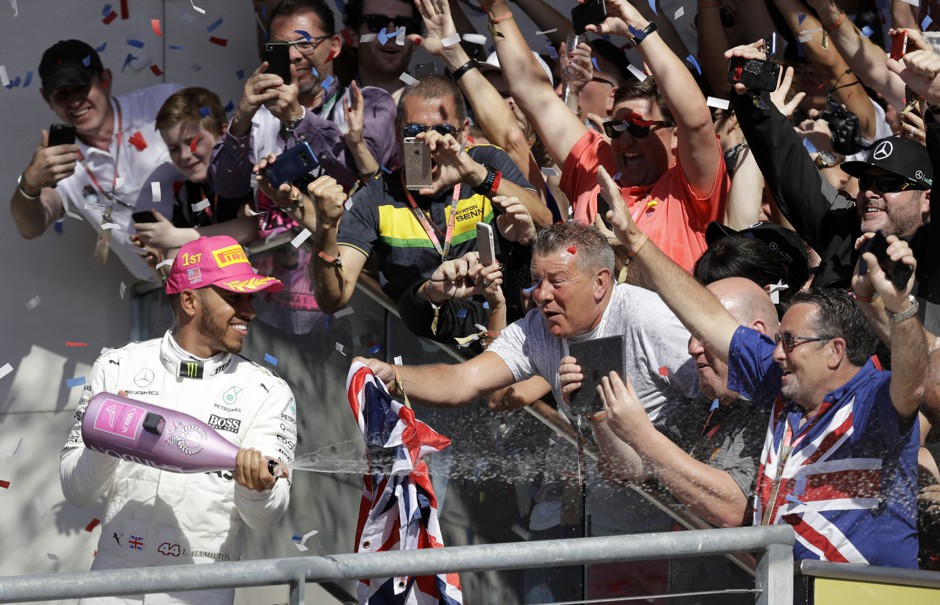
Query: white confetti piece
199 206
118 182
33 303
4 78
913 2
400 37
679 12
344 312
106 226
398 360
123 290
775 290
75 216
300 238
717 103
16 452
347 204
339 347
811 31
475 39
639 75
6 369
155 192
299 543
201 11
407 79
16 11
546 32
368 38
165 263
451 40
807 38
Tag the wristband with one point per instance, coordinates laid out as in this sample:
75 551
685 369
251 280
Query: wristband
636 247
639 36
598 417
501 18
492 176
336 261
907 313
835 25
866 299
460 71
23 192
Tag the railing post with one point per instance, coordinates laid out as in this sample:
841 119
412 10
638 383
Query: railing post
298 588
775 575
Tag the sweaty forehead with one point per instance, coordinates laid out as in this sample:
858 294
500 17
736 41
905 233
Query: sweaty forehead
800 319
419 110
644 108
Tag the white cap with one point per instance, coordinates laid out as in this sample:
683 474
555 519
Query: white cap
492 62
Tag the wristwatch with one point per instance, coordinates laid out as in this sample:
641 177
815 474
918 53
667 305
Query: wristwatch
906 313
490 183
293 124
826 159
641 34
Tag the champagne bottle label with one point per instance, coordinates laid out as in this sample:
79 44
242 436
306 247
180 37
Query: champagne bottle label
121 419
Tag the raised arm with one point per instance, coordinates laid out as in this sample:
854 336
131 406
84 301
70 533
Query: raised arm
546 18
35 204
698 149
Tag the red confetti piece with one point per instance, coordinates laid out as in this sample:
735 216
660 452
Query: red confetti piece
124 12
572 249
417 40
664 371
69 343
111 17
156 70
155 24
4 484
137 140
192 145
347 37
92 524
219 41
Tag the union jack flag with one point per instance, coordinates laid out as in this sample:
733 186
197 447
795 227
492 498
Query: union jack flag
136 543
398 510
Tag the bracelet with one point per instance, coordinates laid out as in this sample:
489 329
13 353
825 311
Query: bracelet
836 24
23 192
400 386
906 313
598 417
331 260
460 71
636 247
639 36
866 299
501 18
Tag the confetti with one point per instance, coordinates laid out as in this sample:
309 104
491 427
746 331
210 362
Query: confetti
714 406
128 60
452 40
52 556
339 347
300 238
28 80
925 23
101 48
367 38
165 263
775 290
549 171
199 206
240 74
299 541
16 11
664 371
691 59
806 38
92 524
551 51
328 82
6 369
75 382
155 192
639 75
397 360
155 25
867 31
33 303
123 290
408 80
156 70
5 484
594 63
461 313
4 78
383 37
344 312
374 350
196 8
205 111
218 41
113 226
800 18
809 146
717 103
137 140
175 47
400 37
135 43
546 32
653 6
70 343
913 2
268 358
109 18
212 26
475 39
616 176
124 12
679 12
16 452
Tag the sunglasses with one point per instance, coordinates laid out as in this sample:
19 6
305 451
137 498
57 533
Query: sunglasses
885 183
375 23
413 130
304 45
791 341
638 128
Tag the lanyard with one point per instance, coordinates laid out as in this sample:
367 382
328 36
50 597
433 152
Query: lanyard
117 159
327 107
423 219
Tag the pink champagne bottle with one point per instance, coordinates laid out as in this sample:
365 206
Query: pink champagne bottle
155 436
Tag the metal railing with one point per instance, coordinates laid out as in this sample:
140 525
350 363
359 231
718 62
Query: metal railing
774 546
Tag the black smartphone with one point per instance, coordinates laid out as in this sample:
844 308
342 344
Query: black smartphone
61 134
277 54
754 73
592 12
597 358
292 165
144 216
898 273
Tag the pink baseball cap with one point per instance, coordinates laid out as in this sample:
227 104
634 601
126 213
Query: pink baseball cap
216 261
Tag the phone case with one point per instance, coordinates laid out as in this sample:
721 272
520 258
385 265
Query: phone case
754 73
597 358
899 46
417 164
592 12
278 57
61 134
291 165
486 244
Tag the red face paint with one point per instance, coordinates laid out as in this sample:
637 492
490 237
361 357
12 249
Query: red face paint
192 145
572 249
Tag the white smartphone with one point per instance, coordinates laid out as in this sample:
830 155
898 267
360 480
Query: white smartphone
486 244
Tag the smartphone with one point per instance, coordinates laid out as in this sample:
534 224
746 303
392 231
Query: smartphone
292 165
61 134
417 164
597 358
899 45
754 73
898 273
592 12
486 244
277 54
144 216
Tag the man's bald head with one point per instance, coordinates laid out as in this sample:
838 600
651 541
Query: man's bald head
747 302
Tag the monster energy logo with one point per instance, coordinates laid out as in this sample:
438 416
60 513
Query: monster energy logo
191 369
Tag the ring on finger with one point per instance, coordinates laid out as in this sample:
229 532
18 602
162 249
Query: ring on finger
486 283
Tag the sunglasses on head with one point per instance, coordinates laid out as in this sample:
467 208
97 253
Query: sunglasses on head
638 128
413 130
885 183
375 23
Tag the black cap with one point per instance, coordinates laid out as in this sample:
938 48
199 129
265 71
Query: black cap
904 158
784 242
68 63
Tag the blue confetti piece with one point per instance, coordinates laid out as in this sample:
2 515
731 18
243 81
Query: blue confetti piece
229 107
594 63
297 537
925 23
809 146
58 227
532 288
135 43
128 61
653 7
327 321
327 83
212 26
175 47
385 169
462 313
551 51
106 10
75 382
792 498
374 349
28 80
800 18
101 48
204 112
314 71
268 358
714 406
240 74
691 59
867 31
15 83
306 35
486 304
383 37
87 61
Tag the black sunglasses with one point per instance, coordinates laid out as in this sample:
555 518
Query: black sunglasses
885 183
375 23
413 130
638 129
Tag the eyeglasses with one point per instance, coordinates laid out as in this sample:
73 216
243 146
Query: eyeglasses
413 130
885 183
375 23
305 46
638 128
600 80
791 341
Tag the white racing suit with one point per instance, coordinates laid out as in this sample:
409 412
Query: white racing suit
158 517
